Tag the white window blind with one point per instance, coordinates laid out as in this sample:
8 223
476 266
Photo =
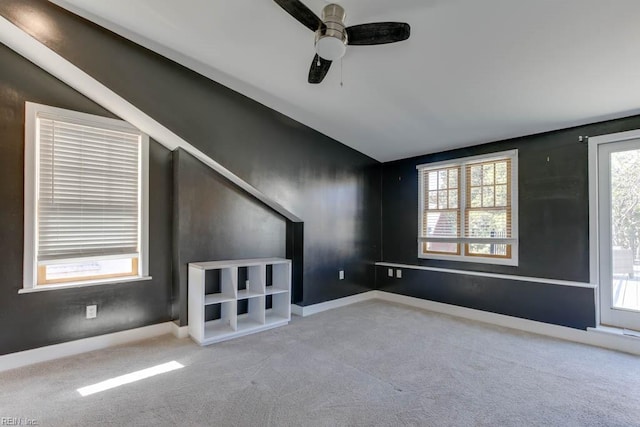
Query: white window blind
88 201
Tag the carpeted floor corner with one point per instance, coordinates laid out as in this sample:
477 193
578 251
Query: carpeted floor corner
368 364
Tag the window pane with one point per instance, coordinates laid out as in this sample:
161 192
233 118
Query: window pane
487 197
476 175
433 200
487 174
433 180
442 224
501 195
442 199
453 178
453 199
442 179
450 248
488 249
501 173
476 197
488 223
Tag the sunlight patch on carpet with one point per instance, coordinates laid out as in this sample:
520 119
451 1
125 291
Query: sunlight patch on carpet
129 378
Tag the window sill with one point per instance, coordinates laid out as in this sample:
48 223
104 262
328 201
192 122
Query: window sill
83 284
620 332
472 259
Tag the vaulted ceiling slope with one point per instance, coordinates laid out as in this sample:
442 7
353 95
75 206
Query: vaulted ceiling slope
471 72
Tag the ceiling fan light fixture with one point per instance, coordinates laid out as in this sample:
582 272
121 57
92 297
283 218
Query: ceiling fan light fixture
331 38
330 48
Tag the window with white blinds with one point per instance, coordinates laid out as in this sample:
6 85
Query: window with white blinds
468 209
86 205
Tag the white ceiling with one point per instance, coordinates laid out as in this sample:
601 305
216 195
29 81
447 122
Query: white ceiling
472 72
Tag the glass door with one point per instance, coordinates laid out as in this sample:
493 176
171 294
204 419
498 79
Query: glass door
619 233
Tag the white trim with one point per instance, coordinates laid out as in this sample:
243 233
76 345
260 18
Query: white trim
33 113
36 52
594 142
614 137
475 259
71 348
597 337
611 341
179 331
308 310
297 310
594 218
461 161
144 206
600 150
494 275
29 266
53 287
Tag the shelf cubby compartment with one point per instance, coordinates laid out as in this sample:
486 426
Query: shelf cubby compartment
278 278
254 316
220 285
277 308
251 281
220 320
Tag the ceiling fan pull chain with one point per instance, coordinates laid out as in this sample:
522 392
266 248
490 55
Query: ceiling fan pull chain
341 85
318 61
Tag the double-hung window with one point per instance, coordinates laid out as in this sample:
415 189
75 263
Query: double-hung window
85 199
468 209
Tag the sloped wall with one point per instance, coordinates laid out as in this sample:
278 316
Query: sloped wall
37 319
334 189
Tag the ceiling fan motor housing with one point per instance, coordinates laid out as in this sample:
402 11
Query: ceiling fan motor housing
331 41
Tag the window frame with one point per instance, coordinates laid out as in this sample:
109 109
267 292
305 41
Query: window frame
463 190
31 182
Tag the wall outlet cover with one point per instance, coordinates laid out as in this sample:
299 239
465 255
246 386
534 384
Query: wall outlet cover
92 311
390 272
341 274
398 274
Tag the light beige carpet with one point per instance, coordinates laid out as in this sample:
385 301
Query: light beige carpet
372 363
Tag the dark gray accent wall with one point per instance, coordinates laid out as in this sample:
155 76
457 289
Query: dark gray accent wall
560 305
554 231
333 188
37 319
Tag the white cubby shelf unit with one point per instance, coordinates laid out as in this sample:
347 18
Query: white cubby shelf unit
228 299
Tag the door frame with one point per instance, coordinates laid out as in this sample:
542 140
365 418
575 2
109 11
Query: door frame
594 217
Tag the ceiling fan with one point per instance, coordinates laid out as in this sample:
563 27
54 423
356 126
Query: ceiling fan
332 37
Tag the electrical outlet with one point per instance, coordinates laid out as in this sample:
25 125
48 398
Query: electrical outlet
390 272
92 311
398 274
341 274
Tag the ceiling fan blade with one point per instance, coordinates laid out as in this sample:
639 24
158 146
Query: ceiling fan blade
317 72
377 33
301 13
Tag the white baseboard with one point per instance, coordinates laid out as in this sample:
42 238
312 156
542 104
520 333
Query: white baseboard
71 348
308 310
179 331
592 337
599 337
297 310
611 341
